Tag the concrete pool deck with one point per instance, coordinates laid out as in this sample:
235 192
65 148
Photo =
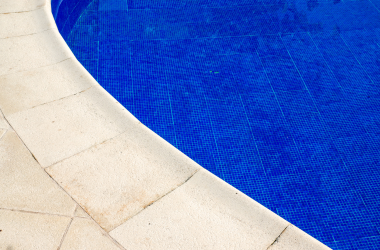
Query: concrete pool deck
78 171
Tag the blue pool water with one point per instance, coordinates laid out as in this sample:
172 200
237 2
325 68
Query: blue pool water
280 98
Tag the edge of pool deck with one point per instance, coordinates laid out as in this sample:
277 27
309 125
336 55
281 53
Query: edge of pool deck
78 171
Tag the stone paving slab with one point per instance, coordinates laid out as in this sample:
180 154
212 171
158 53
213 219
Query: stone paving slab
204 213
23 183
39 86
57 130
118 178
85 234
21 5
26 231
32 51
26 23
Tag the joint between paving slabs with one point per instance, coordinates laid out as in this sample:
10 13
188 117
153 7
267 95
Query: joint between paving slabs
103 231
26 11
77 205
150 204
35 33
27 70
62 97
32 212
65 233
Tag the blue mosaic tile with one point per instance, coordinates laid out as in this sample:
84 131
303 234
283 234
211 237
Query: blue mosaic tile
361 243
364 46
347 70
278 98
109 5
113 25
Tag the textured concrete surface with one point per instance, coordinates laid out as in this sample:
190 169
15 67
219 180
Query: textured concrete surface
80 172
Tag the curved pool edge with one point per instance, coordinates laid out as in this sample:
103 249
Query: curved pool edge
126 177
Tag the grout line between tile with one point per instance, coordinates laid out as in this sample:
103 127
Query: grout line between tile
278 103
299 73
217 161
171 108
356 58
321 117
351 183
254 139
374 5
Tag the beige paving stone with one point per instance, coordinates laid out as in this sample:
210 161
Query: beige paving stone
26 231
294 238
85 234
24 184
204 213
79 212
60 129
24 90
26 23
116 179
32 51
9 6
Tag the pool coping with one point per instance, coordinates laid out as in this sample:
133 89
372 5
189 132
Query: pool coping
66 119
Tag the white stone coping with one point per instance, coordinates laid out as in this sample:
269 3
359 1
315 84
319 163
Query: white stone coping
88 175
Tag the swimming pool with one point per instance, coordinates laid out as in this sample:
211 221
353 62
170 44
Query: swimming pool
278 98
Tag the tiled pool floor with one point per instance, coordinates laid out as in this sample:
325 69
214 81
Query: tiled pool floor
281 99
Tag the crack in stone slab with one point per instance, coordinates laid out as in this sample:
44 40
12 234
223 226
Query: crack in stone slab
278 237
